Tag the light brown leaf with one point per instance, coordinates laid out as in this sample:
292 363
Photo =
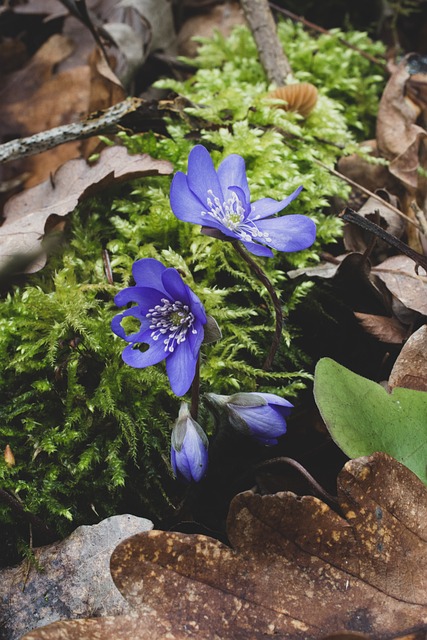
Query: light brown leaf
27 213
386 329
410 368
399 138
399 275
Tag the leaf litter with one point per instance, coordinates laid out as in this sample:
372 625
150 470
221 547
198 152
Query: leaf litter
295 569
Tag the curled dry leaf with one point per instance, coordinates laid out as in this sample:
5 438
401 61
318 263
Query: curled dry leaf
410 368
386 329
401 279
27 213
399 138
300 97
356 239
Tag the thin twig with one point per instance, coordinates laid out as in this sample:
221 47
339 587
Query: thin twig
319 29
51 138
271 54
263 278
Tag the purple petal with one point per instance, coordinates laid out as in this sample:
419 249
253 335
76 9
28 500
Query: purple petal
195 339
289 233
181 368
277 401
264 422
117 328
192 459
232 173
242 197
196 307
258 249
175 286
185 205
148 273
201 175
138 359
145 297
268 207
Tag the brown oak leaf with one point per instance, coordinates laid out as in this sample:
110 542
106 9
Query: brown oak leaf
296 569
27 213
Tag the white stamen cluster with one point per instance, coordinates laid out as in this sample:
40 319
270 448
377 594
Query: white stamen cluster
171 320
231 214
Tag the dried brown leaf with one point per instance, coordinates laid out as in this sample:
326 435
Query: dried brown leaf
399 138
297 569
356 239
384 328
399 275
410 368
27 213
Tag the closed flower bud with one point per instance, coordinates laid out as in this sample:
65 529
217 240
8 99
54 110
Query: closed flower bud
260 415
189 447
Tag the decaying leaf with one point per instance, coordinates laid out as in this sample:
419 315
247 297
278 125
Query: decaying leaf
27 213
356 239
410 368
399 138
362 417
386 329
297 569
399 275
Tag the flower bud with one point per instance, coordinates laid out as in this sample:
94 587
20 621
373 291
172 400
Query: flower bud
189 447
260 415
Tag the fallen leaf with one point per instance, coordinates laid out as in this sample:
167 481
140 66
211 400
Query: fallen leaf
386 329
362 417
27 213
399 275
410 368
356 239
297 569
399 138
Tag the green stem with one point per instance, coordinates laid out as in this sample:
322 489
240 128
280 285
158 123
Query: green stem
263 278
195 391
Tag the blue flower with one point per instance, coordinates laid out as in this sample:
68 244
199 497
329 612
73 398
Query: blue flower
172 320
189 447
260 415
221 200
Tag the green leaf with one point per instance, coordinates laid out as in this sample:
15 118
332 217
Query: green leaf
363 418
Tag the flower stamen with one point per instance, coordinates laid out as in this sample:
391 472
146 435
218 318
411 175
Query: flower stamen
231 214
171 320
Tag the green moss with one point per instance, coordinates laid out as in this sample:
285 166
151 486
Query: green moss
89 432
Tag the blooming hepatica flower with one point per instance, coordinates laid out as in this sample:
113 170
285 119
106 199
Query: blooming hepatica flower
221 200
260 415
172 320
189 447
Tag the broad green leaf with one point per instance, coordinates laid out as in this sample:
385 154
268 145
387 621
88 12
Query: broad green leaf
363 418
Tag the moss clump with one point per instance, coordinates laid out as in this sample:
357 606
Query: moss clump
87 431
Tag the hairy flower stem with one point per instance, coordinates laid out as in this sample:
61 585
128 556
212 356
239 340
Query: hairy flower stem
195 391
263 278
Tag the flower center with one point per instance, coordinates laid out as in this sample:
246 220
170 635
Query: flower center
171 320
231 214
